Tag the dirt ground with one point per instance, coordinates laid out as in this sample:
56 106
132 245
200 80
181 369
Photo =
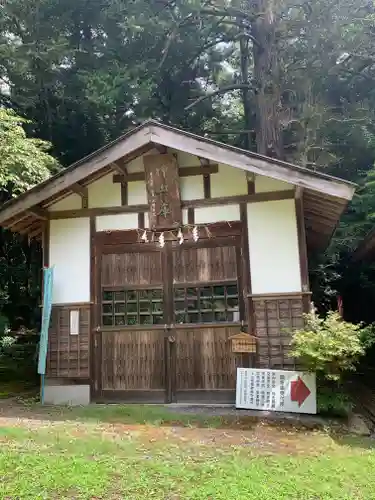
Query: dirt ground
263 437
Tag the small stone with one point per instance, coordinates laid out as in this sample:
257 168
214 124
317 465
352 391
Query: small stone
358 426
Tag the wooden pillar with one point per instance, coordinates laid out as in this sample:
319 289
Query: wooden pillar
246 281
302 248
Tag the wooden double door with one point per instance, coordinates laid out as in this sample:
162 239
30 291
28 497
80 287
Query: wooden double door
164 321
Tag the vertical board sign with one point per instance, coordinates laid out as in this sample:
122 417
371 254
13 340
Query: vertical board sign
46 317
74 322
163 190
276 390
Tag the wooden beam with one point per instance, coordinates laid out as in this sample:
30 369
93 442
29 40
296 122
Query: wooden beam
213 168
302 247
124 194
201 202
207 186
88 212
141 220
39 213
35 232
120 169
191 215
245 198
203 161
83 192
182 172
162 149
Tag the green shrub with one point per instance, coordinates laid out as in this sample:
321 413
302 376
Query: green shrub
332 401
18 356
330 346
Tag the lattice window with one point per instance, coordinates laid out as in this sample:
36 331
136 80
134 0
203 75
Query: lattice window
132 307
206 304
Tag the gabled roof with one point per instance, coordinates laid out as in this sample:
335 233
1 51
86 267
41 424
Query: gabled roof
325 197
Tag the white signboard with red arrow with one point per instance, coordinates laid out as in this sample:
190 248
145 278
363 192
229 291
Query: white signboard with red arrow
276 390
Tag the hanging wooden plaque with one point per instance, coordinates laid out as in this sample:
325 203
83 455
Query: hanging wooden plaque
163 190
243 342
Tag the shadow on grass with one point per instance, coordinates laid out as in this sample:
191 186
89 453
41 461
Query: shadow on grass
352 441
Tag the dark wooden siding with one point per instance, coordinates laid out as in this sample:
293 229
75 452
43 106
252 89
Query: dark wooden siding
275 318
204 359
131 268
133 360
68 355
204 264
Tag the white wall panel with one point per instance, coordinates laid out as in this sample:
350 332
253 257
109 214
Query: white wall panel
206 215
273 245
69 253
71 202
263 184
191 188
137 194
104 192
116 222
228 181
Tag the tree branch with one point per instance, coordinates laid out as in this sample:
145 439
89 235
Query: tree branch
223 90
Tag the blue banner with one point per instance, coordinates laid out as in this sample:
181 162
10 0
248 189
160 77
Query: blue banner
46 317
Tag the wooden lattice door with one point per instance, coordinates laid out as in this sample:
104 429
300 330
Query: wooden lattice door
164 317
208 308
129 337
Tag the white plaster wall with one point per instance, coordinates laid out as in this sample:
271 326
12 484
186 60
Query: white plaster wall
228 181
191 188
273 245
70 202
104 193
137 193
116 222
263 184
206 215
69 253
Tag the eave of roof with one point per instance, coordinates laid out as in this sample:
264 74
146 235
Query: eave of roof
334 190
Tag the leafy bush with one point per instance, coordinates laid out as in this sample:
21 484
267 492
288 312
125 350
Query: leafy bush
330 346
333 401
18 356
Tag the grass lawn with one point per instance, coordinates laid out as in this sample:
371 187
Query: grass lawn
135 452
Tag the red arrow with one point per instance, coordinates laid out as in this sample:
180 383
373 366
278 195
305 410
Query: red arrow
299 391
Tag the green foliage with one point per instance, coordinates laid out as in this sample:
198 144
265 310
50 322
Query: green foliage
332 401
329 345
18 357
24 161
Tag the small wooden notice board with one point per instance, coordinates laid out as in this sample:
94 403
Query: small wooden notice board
243 342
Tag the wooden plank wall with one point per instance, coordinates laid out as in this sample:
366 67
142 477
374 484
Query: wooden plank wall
275 317
133 360
206 264
204 359
68 356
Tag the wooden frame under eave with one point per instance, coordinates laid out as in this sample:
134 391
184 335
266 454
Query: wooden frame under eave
93 320
302 247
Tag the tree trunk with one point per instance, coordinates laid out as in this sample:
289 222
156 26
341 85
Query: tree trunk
244 60
266 74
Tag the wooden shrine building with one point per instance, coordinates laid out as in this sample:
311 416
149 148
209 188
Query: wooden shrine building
165 247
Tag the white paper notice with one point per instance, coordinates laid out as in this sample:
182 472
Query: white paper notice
276 390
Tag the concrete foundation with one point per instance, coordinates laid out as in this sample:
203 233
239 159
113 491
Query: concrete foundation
72 395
